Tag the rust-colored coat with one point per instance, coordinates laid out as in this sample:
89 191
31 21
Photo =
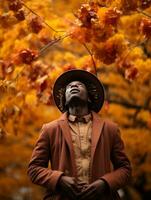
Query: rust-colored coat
55 145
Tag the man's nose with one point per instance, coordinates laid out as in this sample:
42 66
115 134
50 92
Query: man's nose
74 85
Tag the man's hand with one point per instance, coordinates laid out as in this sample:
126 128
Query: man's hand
95 190
67 186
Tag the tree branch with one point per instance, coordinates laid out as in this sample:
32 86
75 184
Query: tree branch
144 13
41 18
51 43
94 64
125 104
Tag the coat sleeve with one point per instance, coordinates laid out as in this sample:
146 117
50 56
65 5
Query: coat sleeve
38 170
121 174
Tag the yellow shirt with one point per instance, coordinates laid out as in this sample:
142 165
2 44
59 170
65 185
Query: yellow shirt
81 138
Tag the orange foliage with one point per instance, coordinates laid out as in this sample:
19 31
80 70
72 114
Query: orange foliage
41 39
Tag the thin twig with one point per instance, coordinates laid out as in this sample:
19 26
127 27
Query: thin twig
47 46
132 48
50 44
144 13
128 105
40 54
41 18
94 64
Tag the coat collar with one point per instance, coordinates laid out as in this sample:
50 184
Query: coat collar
84 119
97 126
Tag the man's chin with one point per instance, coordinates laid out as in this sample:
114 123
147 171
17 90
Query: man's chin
74 100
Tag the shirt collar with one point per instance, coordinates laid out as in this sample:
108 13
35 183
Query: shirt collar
85 118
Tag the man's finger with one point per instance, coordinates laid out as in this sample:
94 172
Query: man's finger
82 186
89 188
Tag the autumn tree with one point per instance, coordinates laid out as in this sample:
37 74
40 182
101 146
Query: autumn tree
40 40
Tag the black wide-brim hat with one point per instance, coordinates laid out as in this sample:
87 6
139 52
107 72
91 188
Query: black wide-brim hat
94 86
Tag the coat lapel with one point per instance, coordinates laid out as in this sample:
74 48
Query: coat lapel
63 122
97 127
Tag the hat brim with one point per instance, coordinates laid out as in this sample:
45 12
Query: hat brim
94 86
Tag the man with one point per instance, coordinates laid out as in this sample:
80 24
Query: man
79 145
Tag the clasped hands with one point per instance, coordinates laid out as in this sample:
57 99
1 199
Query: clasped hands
73 190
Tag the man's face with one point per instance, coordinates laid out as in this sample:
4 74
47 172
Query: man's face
75 91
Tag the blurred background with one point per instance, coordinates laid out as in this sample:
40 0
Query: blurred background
41 39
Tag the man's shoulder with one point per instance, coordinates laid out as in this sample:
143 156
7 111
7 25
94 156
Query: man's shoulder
55 123
109 125
106 121
109 122
51 125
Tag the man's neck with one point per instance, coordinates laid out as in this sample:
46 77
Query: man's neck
79 110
